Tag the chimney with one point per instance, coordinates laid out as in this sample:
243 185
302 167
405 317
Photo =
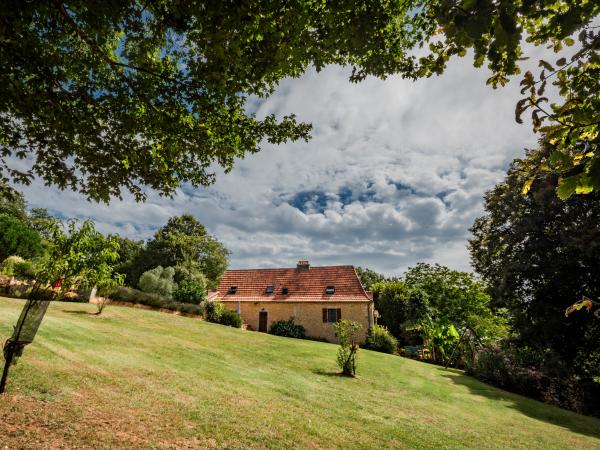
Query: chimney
302 266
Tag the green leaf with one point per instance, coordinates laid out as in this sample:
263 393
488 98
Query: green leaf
566 187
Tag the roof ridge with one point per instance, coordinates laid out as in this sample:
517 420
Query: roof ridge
290 268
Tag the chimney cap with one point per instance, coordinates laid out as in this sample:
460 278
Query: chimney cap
303 265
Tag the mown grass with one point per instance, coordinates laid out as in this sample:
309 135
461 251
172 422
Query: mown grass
141 379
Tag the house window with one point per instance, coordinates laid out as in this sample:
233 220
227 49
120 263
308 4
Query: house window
331 315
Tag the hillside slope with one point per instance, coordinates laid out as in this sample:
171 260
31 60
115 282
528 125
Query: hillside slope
142 379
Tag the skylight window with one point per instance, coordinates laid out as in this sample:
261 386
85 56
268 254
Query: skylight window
270 289
285 291
232 290
330 290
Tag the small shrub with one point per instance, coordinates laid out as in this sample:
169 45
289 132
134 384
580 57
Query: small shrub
347 334
158 281
24 270
288 328
231 318
381 340
7 267
188 308
212 311
190 292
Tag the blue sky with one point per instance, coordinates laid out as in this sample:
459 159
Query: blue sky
394 175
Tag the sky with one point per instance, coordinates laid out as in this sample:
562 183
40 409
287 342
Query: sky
394 174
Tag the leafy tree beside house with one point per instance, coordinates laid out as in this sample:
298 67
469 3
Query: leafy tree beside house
369 277
457 298
184 244
538 255
400 308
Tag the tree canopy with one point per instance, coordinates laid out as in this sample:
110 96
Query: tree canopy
539 255
184 243
18 238
457 298
496 32
105 96
109 96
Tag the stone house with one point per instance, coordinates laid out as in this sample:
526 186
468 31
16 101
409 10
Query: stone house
315 297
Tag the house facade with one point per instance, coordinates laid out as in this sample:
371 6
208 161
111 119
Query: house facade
316 297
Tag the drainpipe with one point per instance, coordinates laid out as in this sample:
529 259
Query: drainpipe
370 314
239 307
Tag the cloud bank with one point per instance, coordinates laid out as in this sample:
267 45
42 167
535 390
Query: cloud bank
394 174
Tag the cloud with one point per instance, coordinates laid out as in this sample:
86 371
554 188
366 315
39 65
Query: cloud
394 175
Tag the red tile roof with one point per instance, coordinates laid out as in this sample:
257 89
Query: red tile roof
302 285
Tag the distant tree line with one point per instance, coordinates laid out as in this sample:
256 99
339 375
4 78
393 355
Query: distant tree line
179 263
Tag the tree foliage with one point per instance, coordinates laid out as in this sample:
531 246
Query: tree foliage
18 238
184 243
188 291
129 253
496 31
538 255
159 281
347 332
457 298
369 277
12 203
80 256
400 307
43 222
105 96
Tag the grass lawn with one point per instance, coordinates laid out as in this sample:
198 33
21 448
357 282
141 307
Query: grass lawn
143 379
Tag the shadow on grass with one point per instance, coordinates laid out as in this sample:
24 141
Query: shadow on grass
85 313
329 373
535 409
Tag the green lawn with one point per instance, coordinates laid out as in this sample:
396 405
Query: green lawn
143 379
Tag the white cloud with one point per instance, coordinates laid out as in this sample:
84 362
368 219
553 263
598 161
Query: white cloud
394 175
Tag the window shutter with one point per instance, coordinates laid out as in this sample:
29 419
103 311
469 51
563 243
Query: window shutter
324 315
339 314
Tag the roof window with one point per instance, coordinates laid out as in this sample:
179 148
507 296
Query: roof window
270 289
285 291
330 290
232 290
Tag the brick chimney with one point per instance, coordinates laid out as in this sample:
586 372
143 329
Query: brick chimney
302 266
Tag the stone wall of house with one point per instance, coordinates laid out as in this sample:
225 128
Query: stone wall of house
307 314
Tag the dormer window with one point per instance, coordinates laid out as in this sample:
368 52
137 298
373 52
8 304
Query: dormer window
232 290
270 289
330 290
285 291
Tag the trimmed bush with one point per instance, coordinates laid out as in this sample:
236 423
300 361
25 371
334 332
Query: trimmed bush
130 295
231 318
24 270
158 281
288 328
190 292
381 340
212 311
7 267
